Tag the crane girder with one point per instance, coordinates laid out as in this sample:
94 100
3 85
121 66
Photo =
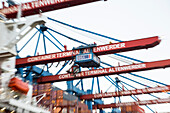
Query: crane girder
149 90
106 71
98 50
40 6
144 102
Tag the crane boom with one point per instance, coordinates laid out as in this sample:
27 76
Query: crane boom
126 93
99 50
106 71
145 102
35 7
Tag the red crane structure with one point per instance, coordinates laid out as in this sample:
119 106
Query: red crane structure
149 90
40 6
99 50
145 102
106 71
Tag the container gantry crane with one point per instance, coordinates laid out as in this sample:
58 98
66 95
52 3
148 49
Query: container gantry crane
37 7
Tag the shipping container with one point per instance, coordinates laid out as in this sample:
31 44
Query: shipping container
56 98
35 90
129 108
132 109
47 88
59 94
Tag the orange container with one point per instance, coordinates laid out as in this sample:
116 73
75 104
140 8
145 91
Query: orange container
18 85
128 108
59 94
41 89
59 102
46 102
47 88
53 94
35 90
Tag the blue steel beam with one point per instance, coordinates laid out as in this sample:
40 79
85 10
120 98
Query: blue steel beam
37 44
84 30
133 81
136 88
27 42
148 79
137 100
40 71
82 88
77 83
48 39
45 48
92 86
97 35
55 39
98 85
62 67
108 88
67 36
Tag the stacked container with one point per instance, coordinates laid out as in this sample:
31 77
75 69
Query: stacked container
132 109
56 99
35 90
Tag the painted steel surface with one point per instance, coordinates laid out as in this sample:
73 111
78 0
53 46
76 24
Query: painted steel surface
127 92
37 7
145 102
99 50
18 85
106 71
87 60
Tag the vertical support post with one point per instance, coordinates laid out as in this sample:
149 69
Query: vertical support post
98 85
43 28
89 102
117 81
29 75
102 111
37 44
70 87
82 88
92 85
20 71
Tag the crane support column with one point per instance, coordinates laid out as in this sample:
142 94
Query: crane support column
89 102
70 87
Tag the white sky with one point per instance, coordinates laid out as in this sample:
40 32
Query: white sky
124 20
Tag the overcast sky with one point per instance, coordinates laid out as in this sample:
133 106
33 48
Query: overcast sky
124 20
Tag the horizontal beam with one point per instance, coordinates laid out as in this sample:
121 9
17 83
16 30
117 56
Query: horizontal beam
98 50
36 7
126 93
106 71
145 102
